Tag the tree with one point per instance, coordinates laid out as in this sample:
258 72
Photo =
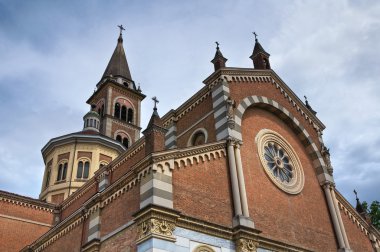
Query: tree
374 212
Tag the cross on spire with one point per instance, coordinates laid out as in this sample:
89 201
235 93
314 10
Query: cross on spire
254 33
217 44
121 28
356 194
155 100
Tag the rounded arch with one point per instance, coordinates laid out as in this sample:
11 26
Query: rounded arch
290 119
121 135
203 248
118 98
83 168
190 141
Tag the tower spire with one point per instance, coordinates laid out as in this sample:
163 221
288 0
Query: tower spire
259 56
118 65
219 61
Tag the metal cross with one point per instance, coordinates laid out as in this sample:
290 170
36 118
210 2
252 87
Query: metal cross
356 194
305 97
217 44
121 28
155 102
254 33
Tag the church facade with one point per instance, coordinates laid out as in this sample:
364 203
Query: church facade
239 167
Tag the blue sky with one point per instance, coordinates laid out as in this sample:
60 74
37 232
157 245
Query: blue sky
54 52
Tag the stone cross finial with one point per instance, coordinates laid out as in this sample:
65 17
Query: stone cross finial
155 102
254 33
121 28
356 194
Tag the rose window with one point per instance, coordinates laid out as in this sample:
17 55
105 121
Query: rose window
279 161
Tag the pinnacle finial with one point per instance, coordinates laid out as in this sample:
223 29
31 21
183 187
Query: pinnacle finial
121 29
155 100
217 45
255 34
356 194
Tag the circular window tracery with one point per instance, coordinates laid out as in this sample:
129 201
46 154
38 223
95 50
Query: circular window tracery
280 161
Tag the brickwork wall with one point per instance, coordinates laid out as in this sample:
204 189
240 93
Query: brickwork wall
78 202
16 234
301 219
241 90
57 198
357 238
193 116
69 242
203 191
120 210
126 166
124 241
208 124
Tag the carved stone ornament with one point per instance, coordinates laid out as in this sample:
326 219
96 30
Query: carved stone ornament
156 227
231 104
326 156
246 245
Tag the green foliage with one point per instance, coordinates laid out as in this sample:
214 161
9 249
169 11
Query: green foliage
374 211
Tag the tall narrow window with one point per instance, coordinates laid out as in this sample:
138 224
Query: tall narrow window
80 169
59 174
126 142
102 110
86 170
64 171
130 115
118 138
117 110
124 113
48 177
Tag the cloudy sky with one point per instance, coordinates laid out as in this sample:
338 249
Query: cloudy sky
53 53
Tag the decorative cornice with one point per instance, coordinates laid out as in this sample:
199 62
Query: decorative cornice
26 201
186 107
356 218
266 76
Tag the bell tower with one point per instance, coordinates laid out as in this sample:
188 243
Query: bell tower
117 100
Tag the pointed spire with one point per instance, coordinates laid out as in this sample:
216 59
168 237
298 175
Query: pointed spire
359 206
308 106
219 61
259 56
154 132
118 65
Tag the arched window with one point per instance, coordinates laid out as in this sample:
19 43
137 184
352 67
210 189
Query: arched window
118 138
102 163
47 182
124 113
62 170
117 110
126 142
80 169
83 169
198 138
130 115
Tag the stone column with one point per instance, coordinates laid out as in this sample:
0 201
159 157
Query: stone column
234 178
342 229
240 174
334 218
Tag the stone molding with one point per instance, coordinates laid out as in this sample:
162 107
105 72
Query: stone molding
157 222
187 106
358 220
26 202
269 77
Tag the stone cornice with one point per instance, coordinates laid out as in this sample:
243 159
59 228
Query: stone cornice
122 89
270 77
26 201
187 106
79 137
356 218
